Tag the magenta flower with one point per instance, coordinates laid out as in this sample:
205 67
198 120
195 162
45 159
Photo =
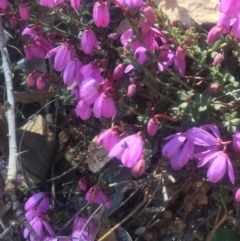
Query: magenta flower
51 3
152 126
31 79
83 110
179 150
89 41
125 40
81 235
230 7
236 142
101 16
108 139
75 4
218 59
237 195
219 162
149 14
73 72
24 10
141 55
75 93
128 150
40 201
89 90
32 31
92 70
167 57
131 90
82 184
133 3
214 33
139 168
3 4
41 227
41 82
179 61
214 87
96 196
118 72
224 23
79 223
104 106
236 28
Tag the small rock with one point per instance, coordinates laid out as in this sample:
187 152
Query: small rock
202 11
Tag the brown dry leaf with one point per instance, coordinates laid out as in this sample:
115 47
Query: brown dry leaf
104 228
198 199
178 226
63 138
97 157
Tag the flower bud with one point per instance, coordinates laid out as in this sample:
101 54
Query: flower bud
82 184
152 126
236 142
149 14
75 4
89 41
113 36
139 168
214 87
41 82
101 16
218 59
13 22
24 11
237 195
31 80
131 90
118 72
213 34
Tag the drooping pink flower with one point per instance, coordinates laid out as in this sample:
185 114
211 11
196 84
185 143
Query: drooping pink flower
81 235
89 41
149 14
131 90
219 162
141 55
236 28
13 22
218 58
214 87
83 184
3 4
125 40
128 150
214 33
92 70
118 71
73 72
83 110
79 223
96 196
179 60
152 126
230 7
89 90
237 195
31 79
41 82
75 4
104 106
24 10
101 16
167 58
224 23
32 31
51 3
179 150
133 3
139 168
236 142
41 227
108 139
42 46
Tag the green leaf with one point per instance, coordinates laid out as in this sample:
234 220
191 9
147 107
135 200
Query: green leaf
182 95
226 235
202 108
217 44
184 105
235 121
234 114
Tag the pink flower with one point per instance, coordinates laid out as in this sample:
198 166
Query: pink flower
179 61
214 87
167 57
141 55
83 110
41 227
131 90
42 45
237 195
82 184
236 28
104 106
32 31
219 162
152 126
126 36
230 7
96 196
31 79
92 70
149 14
179 150
3 4
24 10
75 4
89 41
51 3
89 90
139 168
13 22
64 54
133 3
75 93
213 34
79 223
118 72
81 235
101 16
73 72
218 58
108 139
128 150
224 23
236 142
41 82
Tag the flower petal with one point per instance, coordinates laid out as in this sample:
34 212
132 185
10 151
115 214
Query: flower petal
230 171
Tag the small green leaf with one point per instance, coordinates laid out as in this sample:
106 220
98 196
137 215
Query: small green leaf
202 108
182 95
235 121
184 105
